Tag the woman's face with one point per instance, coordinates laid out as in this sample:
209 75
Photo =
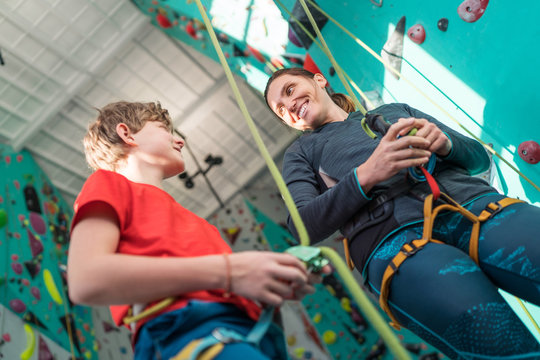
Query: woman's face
299 101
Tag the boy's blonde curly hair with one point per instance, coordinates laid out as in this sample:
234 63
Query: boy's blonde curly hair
103 148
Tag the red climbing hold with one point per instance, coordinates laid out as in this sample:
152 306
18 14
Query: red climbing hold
472 10
190 29
163 21
256 54
276 62
417 34
529 151
310 65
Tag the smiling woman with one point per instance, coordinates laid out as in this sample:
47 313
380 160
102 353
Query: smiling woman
296 93
342 179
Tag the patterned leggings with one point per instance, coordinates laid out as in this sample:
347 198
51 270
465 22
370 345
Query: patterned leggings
444 297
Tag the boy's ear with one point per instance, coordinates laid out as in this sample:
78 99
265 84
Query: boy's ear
125 133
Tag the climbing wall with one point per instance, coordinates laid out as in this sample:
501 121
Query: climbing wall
327 324
457 60
252 34
37 319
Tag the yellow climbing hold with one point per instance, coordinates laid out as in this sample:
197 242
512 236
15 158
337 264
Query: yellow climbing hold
346 304
30 343
299 352
317 318
51 287
329 337
291 340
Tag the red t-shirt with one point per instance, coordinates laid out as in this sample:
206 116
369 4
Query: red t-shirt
152 223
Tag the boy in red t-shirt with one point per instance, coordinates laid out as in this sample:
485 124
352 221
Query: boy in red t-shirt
132 243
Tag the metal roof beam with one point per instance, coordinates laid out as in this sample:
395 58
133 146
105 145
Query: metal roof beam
78 84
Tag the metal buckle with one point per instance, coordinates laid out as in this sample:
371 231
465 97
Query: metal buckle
493 212
226 336
410 252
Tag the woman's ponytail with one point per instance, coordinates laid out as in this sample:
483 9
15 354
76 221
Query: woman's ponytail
343 101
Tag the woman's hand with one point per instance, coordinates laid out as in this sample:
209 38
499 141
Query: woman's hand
439 143
395 153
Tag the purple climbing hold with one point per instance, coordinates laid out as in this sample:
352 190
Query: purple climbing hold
44 351
17 267
35 245
37 223
17 305
35 291
294 39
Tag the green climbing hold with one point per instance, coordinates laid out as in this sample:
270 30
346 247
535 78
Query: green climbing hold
3 218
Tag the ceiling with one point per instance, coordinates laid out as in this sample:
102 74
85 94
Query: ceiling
63 58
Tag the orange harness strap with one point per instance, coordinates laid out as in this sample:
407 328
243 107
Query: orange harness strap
413 247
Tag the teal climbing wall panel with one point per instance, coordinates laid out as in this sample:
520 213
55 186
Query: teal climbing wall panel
34 237
335 322
477 77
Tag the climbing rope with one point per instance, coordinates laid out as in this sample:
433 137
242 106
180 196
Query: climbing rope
370 311
434 103
324 47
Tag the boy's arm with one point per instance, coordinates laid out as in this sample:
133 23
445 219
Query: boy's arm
97 275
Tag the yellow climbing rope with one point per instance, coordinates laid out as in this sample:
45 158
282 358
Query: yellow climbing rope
369 309
434 103
324 47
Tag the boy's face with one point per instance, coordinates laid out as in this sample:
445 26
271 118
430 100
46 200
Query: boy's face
158 146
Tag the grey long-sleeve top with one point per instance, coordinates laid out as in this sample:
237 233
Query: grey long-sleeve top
337 148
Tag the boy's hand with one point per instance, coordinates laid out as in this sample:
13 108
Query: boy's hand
298 293
270 278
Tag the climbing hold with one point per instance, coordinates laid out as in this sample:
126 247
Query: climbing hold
30 343
299 352
163 21
237 52
35 292
293 38
332 71
37 222
33 267
291 340
190 29
529 151
346 304
51 287
472 10
36 246
223 38
317 318
329 337
44 351
417 34
17 305
6 337
276 62
17 268
3 218
310 65
256 53
442 24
